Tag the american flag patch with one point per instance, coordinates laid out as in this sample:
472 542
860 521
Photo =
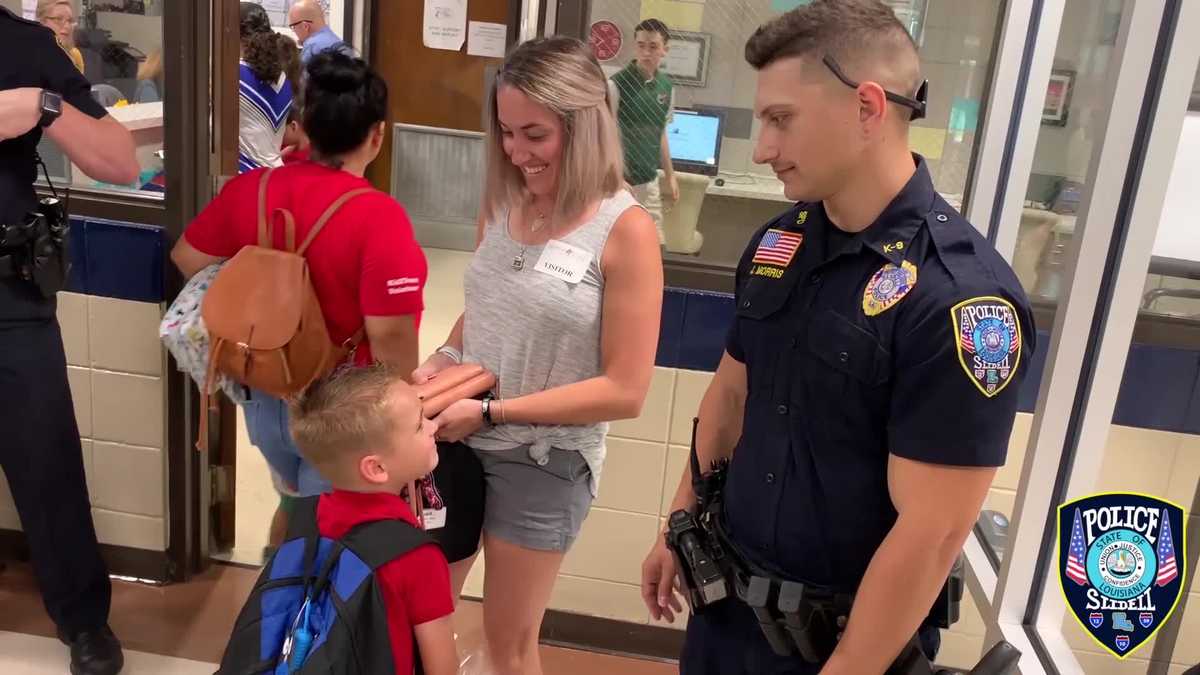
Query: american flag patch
777 247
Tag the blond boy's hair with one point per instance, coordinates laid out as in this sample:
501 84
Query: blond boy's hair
345 416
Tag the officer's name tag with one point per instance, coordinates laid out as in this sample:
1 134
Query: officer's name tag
434 519
564 261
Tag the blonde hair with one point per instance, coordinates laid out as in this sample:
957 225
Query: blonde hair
152 67
561 74
346 415
44 7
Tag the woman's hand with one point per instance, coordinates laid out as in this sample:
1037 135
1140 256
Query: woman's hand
432 366
462 419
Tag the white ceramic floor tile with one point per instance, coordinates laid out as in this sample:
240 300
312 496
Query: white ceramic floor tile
33 655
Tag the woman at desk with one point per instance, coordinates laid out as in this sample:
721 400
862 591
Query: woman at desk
59 16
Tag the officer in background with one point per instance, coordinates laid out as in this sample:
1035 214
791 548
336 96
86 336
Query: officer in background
870 378
42 92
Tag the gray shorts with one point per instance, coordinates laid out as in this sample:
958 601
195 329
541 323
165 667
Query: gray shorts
537 507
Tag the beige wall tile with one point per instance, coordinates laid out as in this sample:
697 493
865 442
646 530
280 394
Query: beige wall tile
677 459
611 546
124 335
1185 474
127 409
970 620
9 520
1104 664
127 529
633 476
88 470
959 650
651 425
1001 500
473 588
598 598
6 500
1138 460
689 389
129 480
73 318
1187 648
1009 476
80 381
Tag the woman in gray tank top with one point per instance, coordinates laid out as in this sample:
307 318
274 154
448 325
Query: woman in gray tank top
563 299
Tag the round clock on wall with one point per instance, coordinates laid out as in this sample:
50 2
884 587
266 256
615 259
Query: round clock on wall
605 38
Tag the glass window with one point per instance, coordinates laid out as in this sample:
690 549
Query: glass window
117 45
1153 445
1072 122
725 197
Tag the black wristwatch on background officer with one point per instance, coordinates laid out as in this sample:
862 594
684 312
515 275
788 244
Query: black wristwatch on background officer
41 456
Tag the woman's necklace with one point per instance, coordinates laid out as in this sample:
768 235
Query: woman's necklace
539 222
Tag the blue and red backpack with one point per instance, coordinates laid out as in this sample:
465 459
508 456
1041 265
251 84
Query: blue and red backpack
317 606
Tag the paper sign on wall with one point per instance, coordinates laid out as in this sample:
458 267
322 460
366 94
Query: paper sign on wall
787 5
445 24
487 39
677 14
29 9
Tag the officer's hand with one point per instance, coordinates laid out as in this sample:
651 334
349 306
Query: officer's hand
20 111
659 583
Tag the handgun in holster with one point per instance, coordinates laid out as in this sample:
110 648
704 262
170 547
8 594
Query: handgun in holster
702 566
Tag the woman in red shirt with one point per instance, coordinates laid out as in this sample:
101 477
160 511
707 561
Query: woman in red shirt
366 266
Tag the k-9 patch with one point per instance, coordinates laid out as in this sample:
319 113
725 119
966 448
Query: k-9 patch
988 339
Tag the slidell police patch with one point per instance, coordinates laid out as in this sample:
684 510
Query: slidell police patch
1121 562
987 336
888 286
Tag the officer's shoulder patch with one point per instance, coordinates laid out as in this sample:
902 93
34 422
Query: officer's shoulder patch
888 286
775 251
987 337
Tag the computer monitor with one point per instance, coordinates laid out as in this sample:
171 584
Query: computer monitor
694 137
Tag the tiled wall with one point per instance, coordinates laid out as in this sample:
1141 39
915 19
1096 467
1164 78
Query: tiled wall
115 367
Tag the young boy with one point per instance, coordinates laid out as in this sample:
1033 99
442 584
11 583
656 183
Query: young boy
364 431
642 98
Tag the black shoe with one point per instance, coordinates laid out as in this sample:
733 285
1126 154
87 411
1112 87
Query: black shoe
95 652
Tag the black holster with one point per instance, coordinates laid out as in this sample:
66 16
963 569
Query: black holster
35 250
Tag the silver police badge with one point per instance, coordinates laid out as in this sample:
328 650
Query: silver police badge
988 341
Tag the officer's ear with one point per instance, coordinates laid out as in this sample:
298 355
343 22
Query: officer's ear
872 107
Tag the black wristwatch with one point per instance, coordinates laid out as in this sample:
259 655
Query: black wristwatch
487 410
51 106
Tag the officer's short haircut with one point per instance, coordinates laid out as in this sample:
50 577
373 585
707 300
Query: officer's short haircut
863 36
653 26
347 415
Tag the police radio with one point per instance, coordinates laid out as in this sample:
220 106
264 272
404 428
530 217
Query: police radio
35 249
700 562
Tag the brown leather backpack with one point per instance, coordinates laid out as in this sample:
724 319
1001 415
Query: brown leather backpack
265 325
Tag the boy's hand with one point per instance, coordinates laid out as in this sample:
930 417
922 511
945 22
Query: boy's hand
460 420
435 642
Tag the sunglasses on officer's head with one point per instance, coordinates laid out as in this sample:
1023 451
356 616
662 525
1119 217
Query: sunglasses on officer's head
917 104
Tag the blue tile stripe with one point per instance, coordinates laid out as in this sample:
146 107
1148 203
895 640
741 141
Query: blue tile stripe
117 260
1160 388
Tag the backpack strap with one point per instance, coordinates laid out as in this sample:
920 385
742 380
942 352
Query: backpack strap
382 541
302 521
329 212
264 235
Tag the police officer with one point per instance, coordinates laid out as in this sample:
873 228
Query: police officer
41 92
870 378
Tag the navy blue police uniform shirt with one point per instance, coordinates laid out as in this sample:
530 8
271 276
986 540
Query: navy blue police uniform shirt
30 57
910 338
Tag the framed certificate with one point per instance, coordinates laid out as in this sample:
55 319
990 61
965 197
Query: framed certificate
687 58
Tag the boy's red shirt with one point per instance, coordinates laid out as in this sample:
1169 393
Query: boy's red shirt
416 586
